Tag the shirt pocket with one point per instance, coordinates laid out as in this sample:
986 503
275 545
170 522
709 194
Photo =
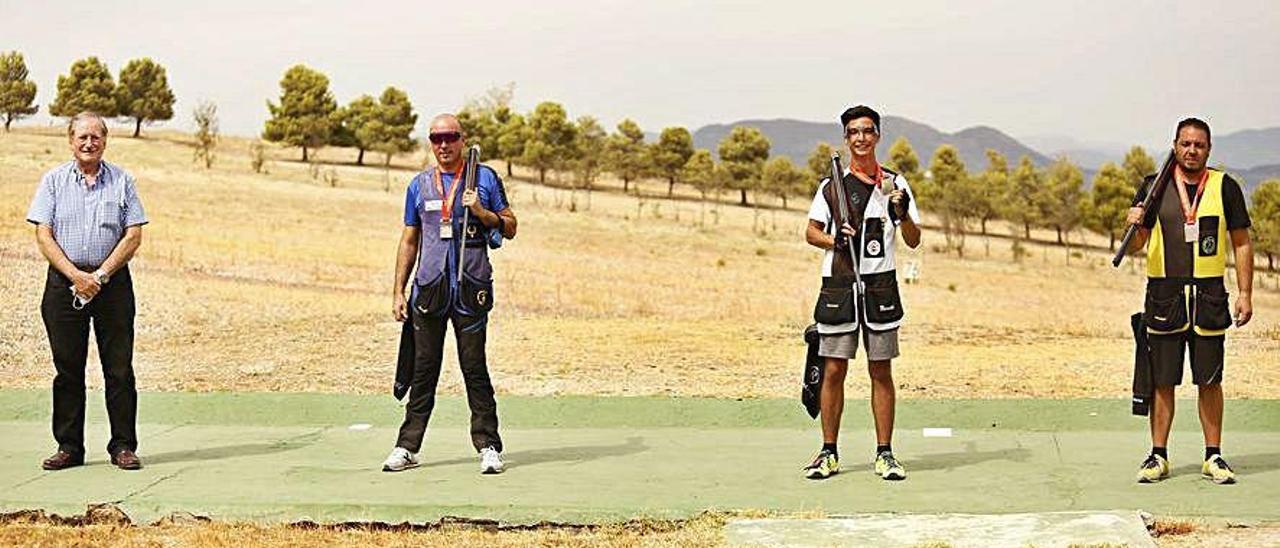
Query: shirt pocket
110 214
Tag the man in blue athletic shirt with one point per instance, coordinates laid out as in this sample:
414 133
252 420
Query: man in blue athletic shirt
434 237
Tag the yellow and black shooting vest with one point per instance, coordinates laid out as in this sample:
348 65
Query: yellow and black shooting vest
1203 295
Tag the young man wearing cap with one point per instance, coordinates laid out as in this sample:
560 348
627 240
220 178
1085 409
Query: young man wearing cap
879 202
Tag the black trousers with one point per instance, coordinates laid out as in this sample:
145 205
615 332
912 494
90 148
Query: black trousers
428 338
112 312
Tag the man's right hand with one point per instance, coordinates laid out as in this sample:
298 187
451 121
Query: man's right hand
1135 216
847 233
399 307
86 285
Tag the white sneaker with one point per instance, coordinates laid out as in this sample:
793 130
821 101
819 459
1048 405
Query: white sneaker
400 459
490 461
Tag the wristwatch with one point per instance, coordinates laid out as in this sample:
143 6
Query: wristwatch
101 276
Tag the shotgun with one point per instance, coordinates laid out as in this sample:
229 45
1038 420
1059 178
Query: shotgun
1155 188
842 203
469 183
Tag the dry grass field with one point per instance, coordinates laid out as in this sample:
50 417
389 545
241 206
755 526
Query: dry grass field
704 530
40 530
281 282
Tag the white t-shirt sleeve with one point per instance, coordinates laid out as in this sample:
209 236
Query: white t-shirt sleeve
818 210
912 211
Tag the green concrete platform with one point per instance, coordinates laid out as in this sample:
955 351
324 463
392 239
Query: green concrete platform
290 457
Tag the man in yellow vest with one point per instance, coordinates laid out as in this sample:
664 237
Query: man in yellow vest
1186 232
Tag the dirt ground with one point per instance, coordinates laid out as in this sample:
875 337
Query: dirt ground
281 282
102 527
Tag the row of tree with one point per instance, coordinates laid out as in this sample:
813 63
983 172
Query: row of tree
307 116
547 140
141 93
1026 196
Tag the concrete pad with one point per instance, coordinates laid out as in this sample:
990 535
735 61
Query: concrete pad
1054 529
290 457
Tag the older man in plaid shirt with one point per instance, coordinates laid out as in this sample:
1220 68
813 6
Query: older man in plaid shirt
88 225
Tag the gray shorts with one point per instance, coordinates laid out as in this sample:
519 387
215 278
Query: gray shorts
881 345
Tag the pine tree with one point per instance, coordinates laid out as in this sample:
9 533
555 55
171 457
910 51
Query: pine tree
87 88
1266 220
671 153
17 93
782 178
1109 201
744 152
305 116
143 93
390 131
625 153
551 139
1064 196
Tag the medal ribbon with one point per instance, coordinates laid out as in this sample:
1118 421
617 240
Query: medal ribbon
446 207
1189 208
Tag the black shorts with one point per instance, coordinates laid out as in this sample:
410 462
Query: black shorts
1191 305
1168 353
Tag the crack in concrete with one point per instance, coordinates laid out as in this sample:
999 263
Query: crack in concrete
167 430
27 481
148 486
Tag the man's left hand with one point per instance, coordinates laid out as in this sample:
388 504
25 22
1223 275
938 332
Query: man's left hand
1244 309
470 199
900 201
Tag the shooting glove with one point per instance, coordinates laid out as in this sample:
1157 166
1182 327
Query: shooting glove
897 212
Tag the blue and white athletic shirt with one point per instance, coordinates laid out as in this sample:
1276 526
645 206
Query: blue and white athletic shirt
423 207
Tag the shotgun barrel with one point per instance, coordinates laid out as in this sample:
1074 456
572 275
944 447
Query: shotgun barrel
842 205
1155 188
469 183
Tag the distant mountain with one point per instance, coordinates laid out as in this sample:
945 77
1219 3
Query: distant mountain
1242 150
1088 155
1254 176
1248 148
797 139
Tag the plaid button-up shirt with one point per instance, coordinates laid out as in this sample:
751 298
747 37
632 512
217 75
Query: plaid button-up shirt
87 221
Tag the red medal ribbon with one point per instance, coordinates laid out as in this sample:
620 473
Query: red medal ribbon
446 207
1189 208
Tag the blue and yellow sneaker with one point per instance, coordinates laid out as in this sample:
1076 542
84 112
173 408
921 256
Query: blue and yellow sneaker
825 465
1217 469
1155 468
888 467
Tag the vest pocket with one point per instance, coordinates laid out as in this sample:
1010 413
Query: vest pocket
873 239
1213 316
883 302
1165 315
433 297
477 295
1208 243
835 304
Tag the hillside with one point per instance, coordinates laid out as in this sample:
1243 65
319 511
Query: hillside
796 139
1249 148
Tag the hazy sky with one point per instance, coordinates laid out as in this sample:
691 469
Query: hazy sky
1099 71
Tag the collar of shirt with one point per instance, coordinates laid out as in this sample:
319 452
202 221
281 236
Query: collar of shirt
84 180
